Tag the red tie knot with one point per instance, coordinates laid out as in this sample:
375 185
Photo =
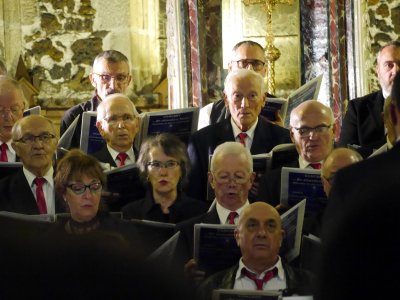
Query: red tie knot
260 281
39 181
242 137
231 217
122 157
316 166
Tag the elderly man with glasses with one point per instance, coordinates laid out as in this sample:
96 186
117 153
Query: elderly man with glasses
12 104
118 123
31 189
312 132
110 75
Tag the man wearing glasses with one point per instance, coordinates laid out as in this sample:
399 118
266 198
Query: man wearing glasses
118 123
110 75
12 104
245 55
31 189
312 132
245 97
231 177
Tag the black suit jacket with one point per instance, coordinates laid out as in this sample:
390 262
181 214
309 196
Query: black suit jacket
16 195
203 143
360 231
363 123
186 237
104 156
182 209
72 113
297 281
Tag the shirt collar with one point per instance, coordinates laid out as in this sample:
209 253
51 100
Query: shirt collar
224 212
250 132
10 148
30 177
114 154
303 164
278 265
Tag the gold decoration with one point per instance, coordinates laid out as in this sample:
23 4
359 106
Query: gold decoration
272 53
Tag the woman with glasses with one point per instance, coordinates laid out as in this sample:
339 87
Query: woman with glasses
80 180
164 164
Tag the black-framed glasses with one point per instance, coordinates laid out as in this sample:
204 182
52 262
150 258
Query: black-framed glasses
157 165
114 119
256 64
105 78
14 110
80 188
238 177
305 131
29 139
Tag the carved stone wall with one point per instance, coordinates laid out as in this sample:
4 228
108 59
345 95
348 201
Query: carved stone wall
58 40
384 26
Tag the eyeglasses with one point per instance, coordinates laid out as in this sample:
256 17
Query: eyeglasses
157 165
114 120
305 131
30 138
224 178
80 188
14 110
105 78
256 64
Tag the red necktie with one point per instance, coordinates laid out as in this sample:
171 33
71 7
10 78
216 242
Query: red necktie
242 137
3 156
41 202
260 282
316 166
231 217
122 157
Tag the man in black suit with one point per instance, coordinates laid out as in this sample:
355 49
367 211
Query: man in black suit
231 176
259 235
244 94
118 123
312 131
12 104
245 55
363 122
31 189
110 75
360 234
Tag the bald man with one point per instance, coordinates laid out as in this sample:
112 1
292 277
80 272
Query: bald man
312 131
118 123
12 104
259 235
31 189
363 125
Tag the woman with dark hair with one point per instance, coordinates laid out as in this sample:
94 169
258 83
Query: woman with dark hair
80 180
164 164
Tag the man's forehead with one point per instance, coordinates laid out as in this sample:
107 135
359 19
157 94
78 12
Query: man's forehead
104 65
118 107
248 52
36 126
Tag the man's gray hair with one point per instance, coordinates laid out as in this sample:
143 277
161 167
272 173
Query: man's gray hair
231 148
112 56
243 74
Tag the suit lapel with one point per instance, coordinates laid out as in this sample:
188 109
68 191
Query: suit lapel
24 201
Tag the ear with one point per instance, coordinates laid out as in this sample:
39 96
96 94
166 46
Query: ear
211 180
292 135
99 126
264 100
226 101
129 79
282 236
253 177
15 147
92 79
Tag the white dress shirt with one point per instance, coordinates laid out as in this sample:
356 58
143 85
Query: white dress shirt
223 212
129 160
48 188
